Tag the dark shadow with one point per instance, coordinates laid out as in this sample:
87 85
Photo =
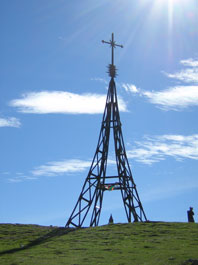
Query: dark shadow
60 231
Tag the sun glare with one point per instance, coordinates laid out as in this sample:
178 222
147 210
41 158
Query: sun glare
172 3
174 8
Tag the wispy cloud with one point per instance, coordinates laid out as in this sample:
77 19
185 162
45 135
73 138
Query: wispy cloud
174 98
148 151
62 102
187 75
130 88
52 169
190 62
155 149
61 167
10 122
19 179
56 168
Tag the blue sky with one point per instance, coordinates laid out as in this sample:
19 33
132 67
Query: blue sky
53 88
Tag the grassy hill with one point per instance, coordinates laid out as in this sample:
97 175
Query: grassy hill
136 243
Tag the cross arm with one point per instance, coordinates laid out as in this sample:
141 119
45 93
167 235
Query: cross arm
113 44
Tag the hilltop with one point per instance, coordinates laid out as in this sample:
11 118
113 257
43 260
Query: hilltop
157 243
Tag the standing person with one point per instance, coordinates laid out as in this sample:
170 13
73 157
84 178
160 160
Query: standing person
111 219
190 214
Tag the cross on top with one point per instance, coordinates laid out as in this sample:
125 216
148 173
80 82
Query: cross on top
113 44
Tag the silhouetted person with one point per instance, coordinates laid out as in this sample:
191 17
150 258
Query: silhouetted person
111 219
190 214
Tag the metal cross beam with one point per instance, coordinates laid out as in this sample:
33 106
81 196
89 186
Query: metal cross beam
113 45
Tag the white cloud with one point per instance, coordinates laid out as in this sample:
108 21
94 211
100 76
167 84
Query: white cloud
19 179
130 88
56 168
61 167
188 75
52 169
178 97
190 62
62 102
174 98
15 180
10 122
154 149
65 166
150 150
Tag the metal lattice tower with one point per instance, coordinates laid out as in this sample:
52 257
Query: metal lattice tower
96 183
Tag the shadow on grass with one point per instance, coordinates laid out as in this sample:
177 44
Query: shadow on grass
60 231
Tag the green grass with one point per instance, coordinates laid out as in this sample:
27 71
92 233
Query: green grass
136 243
